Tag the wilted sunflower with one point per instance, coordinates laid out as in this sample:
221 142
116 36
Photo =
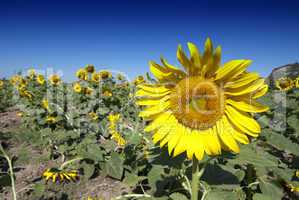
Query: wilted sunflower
55 80
60 175
82 74
77 87
95 77
1 83
89 68
40 79
139 80
203 109
297 82
284 83
105 74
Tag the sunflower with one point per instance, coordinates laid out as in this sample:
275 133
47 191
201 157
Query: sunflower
77 87
20 114
14 80
60 175
40 79
120 77
297 82
107 93
82 74
284 83
113 119
204 108
87 91
95 77
94 116
45 104
89 68
139 80
292 188
51 120
1 83
105 74
25 93
55 80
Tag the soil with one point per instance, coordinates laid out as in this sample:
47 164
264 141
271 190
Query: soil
27 175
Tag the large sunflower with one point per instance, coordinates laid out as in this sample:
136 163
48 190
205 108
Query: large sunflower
204 108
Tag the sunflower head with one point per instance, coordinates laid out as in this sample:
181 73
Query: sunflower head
87 91
138 80
77 87
82 74
45 104
60 175
20 114
105 74
120 77
95 77
40 79
90 68
14 80
55 79
204 108
31 73
94 116
51 119
284 83
107 93
1 83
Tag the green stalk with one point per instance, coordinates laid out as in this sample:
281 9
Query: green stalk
11 174
196 175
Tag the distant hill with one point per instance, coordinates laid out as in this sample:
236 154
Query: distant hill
289 70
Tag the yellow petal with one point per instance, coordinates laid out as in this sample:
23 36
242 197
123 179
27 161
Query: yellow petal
225 134
158 71
251 88
243 121
244 80
151 102
181 145
231 69
261 92
153 110
163 131
247 106
143 93
195 56
207 55
183 59
195 145
152 88
158 122
172 68
211 141
176 135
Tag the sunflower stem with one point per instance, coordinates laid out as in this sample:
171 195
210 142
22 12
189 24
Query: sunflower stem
196 175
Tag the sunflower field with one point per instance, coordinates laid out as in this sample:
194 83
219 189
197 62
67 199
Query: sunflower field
203 130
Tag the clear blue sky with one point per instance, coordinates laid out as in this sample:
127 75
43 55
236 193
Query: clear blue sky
124 35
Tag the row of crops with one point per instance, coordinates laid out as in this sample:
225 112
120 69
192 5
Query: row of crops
91 127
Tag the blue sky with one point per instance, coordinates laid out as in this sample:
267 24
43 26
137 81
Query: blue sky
125 35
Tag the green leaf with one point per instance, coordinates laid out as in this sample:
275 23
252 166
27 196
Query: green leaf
178 196
259 196
224 195
270 189
155 175
88 170
5 180
131 179
39 190
114 166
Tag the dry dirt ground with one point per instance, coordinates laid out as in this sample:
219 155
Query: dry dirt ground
28 173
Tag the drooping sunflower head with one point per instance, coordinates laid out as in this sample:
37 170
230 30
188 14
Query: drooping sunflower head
82 74
204 108
51 119
45 104
40 79
54 79
105 74
284 83
87 91
90 68
60 175
77 87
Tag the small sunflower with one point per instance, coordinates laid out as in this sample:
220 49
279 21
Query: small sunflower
14 80
40 79
20 114
94 116
107 93
297 82
90 68
105 74
51 119
77 87
25 93
139 80
95 77
82 74
45 104
284 83
113 119
55 80
1 83
60 175
120 77
292 188
205 108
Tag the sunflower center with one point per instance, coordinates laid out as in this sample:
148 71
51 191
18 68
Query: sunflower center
197 103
